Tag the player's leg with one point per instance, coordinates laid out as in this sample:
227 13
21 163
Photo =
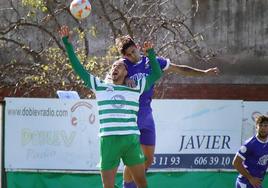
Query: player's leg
128 181
148 135
110 153
134 163
138 174
149 155
147 139
108 178
148 151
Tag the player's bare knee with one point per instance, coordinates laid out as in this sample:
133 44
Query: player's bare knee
127 175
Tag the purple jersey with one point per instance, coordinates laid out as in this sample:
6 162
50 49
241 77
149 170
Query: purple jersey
255 155
141 69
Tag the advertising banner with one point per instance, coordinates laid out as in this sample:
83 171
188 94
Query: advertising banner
51 134
197 134
55 134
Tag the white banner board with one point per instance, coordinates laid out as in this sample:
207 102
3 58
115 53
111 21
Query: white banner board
197 133
58 134
51 134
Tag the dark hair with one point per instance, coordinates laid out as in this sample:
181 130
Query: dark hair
123 43
260 119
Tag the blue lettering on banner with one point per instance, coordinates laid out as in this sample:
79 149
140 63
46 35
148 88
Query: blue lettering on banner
213 142
193 161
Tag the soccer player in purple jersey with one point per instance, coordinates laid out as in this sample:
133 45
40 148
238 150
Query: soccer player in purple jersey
138 67
251 161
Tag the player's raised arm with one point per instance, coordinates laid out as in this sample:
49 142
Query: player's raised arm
156 70
77 66
190 71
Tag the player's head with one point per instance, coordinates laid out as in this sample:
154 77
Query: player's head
127 48
262 126
118 72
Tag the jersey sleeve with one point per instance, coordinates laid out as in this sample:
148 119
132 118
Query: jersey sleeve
156 72
163 62
88 78
244 150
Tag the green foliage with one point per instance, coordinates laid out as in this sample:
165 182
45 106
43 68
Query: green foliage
97 65
93 31
55 55
35 4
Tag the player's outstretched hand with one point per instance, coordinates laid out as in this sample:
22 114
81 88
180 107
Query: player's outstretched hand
146 46
64 31
213 71
130 83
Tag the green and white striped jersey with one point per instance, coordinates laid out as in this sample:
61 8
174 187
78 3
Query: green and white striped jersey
118 107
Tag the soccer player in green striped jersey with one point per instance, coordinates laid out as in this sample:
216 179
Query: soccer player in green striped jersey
118 107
